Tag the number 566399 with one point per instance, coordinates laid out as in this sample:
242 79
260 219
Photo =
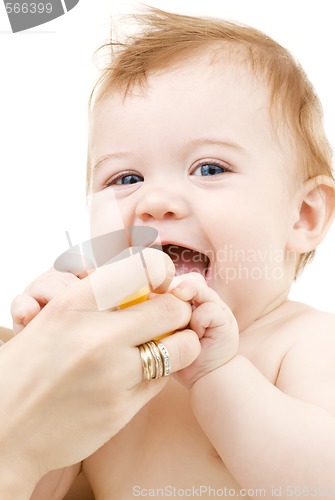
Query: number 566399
28 8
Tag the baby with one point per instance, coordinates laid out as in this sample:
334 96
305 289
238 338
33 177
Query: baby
211 133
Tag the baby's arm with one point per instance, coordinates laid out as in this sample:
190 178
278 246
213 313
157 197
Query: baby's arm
275 436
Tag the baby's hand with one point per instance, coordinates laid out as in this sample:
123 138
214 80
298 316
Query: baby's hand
214 324
26 306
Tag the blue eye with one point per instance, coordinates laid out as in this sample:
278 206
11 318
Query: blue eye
125 178
209 169
130 179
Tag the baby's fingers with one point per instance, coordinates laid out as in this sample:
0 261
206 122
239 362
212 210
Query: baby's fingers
208 317
197 291
27 305
24 308
48 285
211 320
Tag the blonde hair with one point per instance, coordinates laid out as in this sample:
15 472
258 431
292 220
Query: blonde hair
165 38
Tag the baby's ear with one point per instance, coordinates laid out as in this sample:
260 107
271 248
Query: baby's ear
314 210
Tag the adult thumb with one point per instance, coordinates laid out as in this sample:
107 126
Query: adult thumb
111 284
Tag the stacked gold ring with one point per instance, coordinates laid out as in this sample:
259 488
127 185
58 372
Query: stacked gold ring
155 360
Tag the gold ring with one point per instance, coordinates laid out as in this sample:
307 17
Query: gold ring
144 359
165 358
159 367
155 360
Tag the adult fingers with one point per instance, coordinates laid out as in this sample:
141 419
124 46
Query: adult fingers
111 284
183 348
127 327
151 319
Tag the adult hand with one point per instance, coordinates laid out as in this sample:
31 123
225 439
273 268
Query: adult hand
73 378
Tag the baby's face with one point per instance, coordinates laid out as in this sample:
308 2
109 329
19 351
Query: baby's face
195 156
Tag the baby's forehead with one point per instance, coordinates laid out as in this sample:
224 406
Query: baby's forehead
203 73
199 91
193 98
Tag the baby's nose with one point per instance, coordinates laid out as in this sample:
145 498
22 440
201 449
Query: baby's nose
162 204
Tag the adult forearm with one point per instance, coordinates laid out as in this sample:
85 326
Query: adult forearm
264 437
15 491
13 483
16 442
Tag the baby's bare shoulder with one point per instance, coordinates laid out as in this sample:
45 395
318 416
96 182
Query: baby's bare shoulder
308 370
313 327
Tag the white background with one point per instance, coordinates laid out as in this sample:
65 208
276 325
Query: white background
46 75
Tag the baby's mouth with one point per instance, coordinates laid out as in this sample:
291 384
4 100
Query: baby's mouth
187 260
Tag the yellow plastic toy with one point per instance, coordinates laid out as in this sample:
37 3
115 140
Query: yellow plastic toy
135 298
